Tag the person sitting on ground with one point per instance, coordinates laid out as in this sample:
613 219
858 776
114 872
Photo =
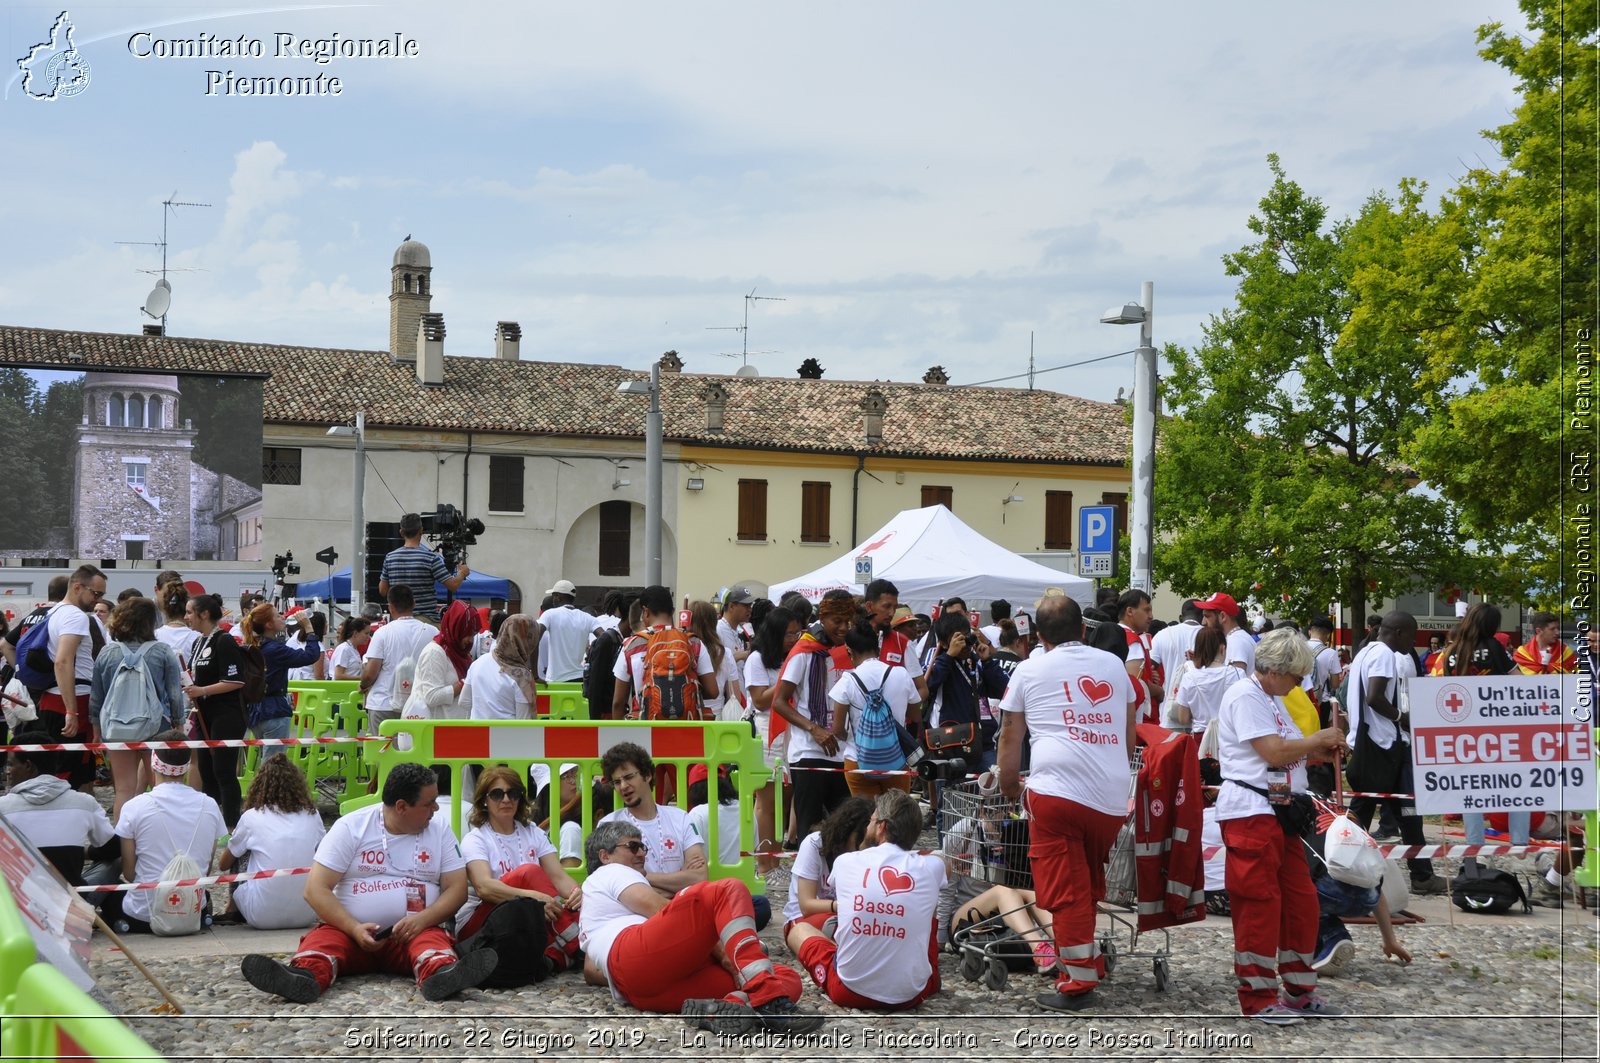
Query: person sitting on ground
888 895
60 822
280 827
696 955
728 820
155 827
384 880
811 898
508 858
677 857
979 889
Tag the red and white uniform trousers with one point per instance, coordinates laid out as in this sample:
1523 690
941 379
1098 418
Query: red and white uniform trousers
1275 911
329 953
1068 850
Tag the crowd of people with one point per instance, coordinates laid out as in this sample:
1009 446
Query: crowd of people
844 695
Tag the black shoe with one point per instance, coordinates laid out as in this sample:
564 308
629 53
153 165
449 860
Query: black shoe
725 1018
782 1016
465 973
791 845
1063 1002
270 976
233 918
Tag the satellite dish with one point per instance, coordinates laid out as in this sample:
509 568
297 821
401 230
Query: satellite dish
159 300
746 371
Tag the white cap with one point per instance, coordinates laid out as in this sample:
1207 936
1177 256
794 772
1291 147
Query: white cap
568 766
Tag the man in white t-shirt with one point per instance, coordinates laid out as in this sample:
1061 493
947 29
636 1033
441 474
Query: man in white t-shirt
630 667
677 855
735 614
882 602
391 658
155 826
1323 682
884 952
801 709
696 955
1221 610
1171 646
74 636
386 882
564 632
1075 705
1133 616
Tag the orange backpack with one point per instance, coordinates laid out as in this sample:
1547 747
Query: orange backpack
671 684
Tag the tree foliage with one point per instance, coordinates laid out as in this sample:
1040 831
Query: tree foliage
1280 472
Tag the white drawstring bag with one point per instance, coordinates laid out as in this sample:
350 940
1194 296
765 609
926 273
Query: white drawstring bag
1351 854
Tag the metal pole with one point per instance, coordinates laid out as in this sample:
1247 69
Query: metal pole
1144 449
358 566
652 481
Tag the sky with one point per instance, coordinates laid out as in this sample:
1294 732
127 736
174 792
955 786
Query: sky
921 183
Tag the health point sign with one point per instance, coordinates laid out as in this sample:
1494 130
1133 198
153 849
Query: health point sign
1500 743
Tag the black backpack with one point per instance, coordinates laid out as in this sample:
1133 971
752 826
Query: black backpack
517 933
1488 892
598 683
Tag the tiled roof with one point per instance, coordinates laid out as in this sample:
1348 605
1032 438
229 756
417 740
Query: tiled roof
315 385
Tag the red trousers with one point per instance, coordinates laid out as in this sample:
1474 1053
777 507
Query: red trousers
563 932
328 952
1070 843
667 959
1275 911
817 956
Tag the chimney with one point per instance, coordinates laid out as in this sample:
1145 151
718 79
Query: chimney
716 397
508 341
936 375
670 362
873 407
430 350
155 330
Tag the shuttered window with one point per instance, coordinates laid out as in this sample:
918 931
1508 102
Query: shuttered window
505 484
939 496
1058 520
616 520
815 501
1120 501
753 511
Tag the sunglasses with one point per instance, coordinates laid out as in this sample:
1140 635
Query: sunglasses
501 794
636 847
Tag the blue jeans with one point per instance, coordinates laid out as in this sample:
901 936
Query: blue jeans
1335 899
278 728
1518 822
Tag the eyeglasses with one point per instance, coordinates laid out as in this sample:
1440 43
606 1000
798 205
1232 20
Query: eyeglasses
630 777
501 794
98 594
635 846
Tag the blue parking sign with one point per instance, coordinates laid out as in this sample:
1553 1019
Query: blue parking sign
1097 529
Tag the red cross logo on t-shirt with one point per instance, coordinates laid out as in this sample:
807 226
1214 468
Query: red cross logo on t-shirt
423 857
669 845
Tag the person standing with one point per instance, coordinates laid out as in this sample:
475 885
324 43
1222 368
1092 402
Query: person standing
1545 653
75 639
415 566
1222 611
390 664
565 631
265 631
1170 647
217 677
125 717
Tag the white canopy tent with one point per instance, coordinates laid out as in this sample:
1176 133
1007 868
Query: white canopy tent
930 555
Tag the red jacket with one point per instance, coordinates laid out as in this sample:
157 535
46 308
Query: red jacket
1168 866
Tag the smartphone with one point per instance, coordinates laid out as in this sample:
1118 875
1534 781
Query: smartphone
379 935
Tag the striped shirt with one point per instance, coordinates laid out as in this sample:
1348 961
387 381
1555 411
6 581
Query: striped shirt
418 568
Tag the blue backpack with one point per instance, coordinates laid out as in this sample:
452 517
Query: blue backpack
35 668
878 746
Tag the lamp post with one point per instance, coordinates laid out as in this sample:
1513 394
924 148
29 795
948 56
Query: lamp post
1140 526
652 471
358 566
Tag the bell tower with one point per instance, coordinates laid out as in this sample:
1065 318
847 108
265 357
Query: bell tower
410 296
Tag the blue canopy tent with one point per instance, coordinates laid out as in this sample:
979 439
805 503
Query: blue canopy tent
476 585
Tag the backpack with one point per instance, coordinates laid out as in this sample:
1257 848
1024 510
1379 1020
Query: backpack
132 710
176 910
35 667
1488 892
671 685
877 733
253 673
598 685
517 933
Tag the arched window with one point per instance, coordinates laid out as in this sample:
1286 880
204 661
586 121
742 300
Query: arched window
422 284
135 411
115 411
407 284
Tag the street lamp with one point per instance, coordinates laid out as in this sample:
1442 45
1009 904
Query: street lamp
652 471
358 566
1140 528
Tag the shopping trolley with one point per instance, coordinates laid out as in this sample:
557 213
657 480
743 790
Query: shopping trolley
985 838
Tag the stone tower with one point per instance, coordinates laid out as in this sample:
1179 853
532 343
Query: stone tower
410 296
132 495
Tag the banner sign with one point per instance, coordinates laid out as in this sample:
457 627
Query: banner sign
1500 743
58 918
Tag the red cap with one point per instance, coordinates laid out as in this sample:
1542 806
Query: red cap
1221 602
1504 638
296 609
698 773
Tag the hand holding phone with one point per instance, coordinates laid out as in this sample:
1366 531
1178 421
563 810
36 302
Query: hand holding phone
381 934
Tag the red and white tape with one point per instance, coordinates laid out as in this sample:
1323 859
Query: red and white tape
208 880
198 743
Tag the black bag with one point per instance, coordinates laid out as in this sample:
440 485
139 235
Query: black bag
516 931
956 741
1488 892
253 671
598 683
1298 817
1371 768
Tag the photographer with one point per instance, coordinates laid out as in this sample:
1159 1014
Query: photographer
419 568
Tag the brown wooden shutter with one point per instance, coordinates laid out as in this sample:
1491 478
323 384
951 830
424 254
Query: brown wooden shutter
1058 520
1120 501
753 511
939 496
815 511
616 547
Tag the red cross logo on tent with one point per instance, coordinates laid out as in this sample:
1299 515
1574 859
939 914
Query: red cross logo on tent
423 857
865 550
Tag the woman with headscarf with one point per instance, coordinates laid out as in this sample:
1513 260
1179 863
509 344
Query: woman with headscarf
442 666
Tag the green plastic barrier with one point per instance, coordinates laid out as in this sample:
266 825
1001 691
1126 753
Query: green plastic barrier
16 947
562 701
519 744
51 1019
1587 874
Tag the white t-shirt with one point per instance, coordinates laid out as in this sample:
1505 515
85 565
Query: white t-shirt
729 638
272 839
181 638
347 657
393 643
566 631
807 865
297 641
668 836
757 674
67 619
160 822
604 915
629 667
1327 665
888 899
487 693
721 705
379 870
727 829
503 853
898 691
1170 648
571 841
1241 647
1200 691
1077 701
1249 712
1375 661
801 745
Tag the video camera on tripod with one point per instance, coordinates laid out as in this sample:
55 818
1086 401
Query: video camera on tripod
452 532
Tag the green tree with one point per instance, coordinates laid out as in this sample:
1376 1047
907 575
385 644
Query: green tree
1279 473
226 414
1503 294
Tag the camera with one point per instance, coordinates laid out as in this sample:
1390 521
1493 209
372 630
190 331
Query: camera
452 531
284 565
942 769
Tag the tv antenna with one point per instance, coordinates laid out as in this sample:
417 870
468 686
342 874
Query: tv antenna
744 330
157 303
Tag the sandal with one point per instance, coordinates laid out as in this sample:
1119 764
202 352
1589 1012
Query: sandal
1044 956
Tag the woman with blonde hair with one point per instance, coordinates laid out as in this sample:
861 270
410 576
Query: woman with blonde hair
280 827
